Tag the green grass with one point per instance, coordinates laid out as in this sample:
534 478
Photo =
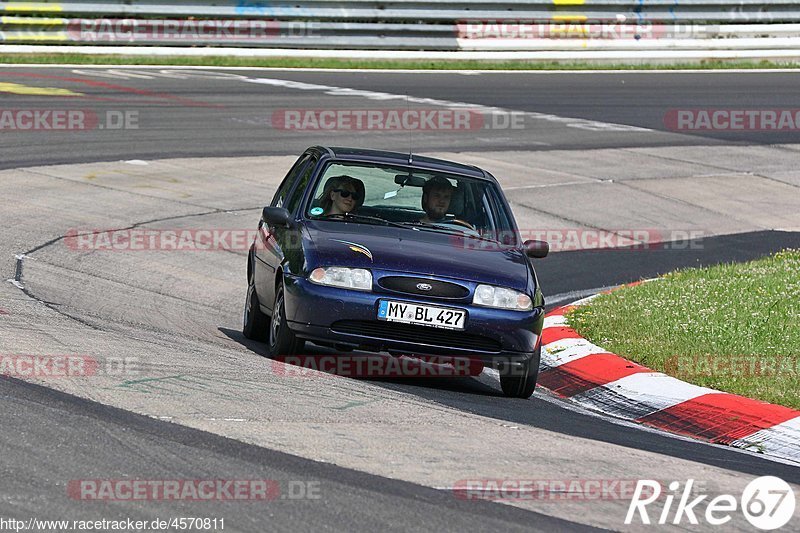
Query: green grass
455 64
732 327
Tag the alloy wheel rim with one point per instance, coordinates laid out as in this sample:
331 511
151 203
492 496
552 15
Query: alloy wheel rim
247 304
276 320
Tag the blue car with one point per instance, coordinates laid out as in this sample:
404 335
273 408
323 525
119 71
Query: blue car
394 252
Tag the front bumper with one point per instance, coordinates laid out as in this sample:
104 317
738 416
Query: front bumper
348 317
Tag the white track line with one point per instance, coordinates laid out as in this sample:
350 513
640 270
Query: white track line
591 125
409 71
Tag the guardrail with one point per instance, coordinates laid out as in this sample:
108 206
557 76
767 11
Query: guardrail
439 25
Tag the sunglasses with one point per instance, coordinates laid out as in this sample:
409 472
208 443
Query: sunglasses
344 193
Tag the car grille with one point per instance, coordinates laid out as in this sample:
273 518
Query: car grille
408 285
416 334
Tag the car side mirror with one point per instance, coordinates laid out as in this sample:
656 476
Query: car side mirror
536 249
276 216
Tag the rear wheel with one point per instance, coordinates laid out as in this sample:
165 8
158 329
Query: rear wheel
520 382
255 324
282 341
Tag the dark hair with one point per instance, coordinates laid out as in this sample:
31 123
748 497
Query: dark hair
436 183
336 182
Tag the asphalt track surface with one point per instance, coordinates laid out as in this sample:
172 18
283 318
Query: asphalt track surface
69 434
75 438
203 115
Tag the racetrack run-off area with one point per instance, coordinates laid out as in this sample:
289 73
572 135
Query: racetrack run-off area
591 376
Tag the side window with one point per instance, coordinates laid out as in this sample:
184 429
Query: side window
296 196
286 185
500 219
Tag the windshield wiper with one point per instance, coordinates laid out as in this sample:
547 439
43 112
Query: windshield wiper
364 218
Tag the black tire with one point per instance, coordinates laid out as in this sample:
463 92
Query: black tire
282 340
255 324
520 382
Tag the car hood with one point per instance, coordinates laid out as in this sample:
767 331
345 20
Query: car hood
421 252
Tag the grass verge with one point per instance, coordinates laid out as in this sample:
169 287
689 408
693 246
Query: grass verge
455 64
732 327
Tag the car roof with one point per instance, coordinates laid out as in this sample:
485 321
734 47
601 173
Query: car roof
401 158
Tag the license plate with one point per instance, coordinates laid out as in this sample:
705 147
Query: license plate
424 315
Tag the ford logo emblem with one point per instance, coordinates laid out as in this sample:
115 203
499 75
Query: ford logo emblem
424 287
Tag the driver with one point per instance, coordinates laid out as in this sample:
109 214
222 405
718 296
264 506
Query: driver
436 195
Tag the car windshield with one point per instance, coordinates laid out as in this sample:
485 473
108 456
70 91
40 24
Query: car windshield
372 193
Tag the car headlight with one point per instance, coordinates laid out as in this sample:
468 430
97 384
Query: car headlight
501 298
359 279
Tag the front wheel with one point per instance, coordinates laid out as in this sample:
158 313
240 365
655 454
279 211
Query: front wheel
255 324
520 381
282 340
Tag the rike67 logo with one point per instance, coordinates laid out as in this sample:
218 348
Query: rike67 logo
767 502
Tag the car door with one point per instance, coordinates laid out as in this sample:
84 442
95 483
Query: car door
268 252
290 240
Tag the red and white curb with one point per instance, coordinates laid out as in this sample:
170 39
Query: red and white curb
576 369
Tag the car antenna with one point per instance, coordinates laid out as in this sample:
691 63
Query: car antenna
410 143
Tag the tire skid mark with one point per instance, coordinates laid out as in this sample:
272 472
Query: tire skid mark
232 389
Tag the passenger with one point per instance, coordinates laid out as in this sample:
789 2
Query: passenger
342 194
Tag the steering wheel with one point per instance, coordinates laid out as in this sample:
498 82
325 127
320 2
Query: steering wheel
461 223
